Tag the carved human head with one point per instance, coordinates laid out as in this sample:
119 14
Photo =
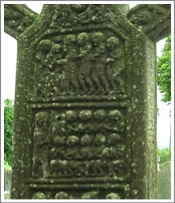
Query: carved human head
86 140
100 115
112 42
113 138
44 45
83 38
59 140
97 38
113 195
56 48
71 115
42 119
115 115
85 115
100 139
61 195
70 39
72 140
39 195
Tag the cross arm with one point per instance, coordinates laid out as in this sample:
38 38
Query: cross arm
153 19
17 18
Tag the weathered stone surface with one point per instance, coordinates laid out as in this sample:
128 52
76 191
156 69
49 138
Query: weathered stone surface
153 19
17 18
85 120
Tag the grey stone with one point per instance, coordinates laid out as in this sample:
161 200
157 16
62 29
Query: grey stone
164 181
7 179
85 104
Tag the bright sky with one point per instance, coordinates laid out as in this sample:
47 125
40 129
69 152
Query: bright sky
8 71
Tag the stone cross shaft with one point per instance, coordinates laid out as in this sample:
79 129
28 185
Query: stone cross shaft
85 100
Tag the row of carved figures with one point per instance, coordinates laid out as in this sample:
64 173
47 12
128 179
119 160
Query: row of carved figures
68 168
80 121
46 160
93 194
72 135
85 63
97 168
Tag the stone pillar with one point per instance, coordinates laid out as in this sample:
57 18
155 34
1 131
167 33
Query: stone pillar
85 119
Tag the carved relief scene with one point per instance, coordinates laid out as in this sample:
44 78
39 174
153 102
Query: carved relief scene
79 143
86 63
76 14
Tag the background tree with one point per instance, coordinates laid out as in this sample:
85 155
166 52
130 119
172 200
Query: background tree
8 130
164 154
164 71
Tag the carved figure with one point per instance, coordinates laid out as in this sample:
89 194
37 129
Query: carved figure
72 148
70 83
82 14
86 151
39 195
59 141
55 58
113 138
116 116
115 168
71 119
113 152
85 63
59 125
42 140
90 195
75 168
86 140
41 67
58 167
99 61
97 16
114 54
43 49
95 167
113 195
57 151
100 116
115 121
61 195
85 115
71 116
99 142
61 13
84 125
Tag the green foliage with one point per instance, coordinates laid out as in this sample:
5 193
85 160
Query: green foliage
165 154
164 71
7 166
8 131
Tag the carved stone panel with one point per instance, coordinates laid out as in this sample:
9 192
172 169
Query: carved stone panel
75 14
78 143
87 145
85 63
